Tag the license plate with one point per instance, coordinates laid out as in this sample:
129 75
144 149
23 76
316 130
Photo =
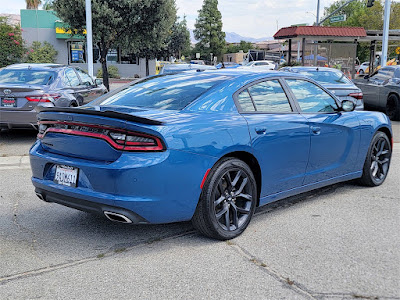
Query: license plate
66 175
8 102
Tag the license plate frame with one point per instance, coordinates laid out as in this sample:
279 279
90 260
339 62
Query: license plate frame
8 102
66 175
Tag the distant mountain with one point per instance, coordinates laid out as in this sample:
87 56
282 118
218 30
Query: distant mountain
233 37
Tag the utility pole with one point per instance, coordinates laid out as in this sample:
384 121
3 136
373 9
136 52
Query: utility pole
317 22
89 36
385 36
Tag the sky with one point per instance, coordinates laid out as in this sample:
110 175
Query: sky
250 18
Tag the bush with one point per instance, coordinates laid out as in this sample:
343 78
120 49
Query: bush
112 72
39 53
11 44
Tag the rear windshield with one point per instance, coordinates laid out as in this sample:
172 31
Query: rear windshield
33 77
330 77
166 92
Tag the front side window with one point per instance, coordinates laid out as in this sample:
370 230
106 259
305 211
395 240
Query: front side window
269 97
311 98
85 77
384 74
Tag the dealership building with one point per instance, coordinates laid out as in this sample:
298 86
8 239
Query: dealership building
45 26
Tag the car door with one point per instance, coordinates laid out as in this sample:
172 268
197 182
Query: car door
72 81
92 91
280 137
387 75
372 87
335 135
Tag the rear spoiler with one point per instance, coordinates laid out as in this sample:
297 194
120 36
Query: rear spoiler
106 113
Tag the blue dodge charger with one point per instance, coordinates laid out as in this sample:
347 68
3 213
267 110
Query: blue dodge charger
205 146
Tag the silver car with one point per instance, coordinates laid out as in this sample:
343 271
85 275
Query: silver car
23 87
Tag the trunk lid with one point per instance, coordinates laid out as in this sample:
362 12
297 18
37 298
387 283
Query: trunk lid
13 97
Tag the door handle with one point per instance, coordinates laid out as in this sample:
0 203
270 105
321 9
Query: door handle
260 130
316 129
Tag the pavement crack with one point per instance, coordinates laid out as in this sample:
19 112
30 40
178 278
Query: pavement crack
37 272
353 296
288 282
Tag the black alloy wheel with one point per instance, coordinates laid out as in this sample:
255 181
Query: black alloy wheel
377 163
228 200
393 107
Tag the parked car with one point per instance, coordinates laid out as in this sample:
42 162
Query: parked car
334 80
262 64
23 87
363 67
206 147
227 65
382 91
178 68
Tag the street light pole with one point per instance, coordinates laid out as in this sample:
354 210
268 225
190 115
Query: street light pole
89 39
385 36
317 22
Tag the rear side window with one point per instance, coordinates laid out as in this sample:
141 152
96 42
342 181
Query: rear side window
310 97
269 97
71 78
27 76
167 92
245 102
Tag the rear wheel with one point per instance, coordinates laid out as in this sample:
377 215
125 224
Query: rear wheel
393 107
376 165
228 200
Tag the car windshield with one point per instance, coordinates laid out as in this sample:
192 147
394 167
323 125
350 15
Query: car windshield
26 76
165 92
330 77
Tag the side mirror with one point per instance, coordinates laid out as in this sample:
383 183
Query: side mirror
366 77
348 105
98 81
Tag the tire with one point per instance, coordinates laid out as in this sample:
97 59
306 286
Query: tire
228 200
377 162
393 107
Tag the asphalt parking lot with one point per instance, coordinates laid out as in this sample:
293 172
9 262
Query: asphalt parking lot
339 242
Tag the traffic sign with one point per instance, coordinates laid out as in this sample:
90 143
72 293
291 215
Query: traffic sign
398 50
340 18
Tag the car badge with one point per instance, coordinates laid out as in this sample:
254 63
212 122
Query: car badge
7 92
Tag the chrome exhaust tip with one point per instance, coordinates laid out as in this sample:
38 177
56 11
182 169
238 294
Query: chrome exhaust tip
115 217
40 196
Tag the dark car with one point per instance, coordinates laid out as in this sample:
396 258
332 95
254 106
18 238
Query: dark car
382 91
334 80
23 87
208 147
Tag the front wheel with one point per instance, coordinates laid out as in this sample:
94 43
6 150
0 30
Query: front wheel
228 200
376 165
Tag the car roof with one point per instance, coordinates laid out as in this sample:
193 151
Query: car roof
34 66
311 69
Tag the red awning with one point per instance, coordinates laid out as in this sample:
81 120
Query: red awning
322 31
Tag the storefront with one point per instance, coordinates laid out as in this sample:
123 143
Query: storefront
44 25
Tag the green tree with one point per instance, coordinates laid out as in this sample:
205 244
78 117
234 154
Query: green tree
208 30
179 40
39 53
243 46
33 4
11 44
138 23
150 36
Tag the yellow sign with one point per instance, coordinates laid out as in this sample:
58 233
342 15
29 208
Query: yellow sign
60 30
398 50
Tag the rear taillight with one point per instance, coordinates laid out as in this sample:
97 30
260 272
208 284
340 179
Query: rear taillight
358 96
117 138
43 98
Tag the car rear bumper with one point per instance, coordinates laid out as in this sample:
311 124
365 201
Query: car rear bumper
162 187
18 119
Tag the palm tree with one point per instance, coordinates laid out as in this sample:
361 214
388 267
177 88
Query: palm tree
33 4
